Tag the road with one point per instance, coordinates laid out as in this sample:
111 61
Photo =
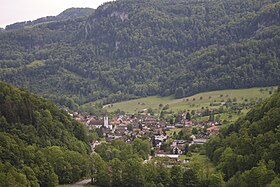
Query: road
81 183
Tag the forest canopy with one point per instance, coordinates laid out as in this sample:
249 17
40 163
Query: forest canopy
248 151
40 144
127 49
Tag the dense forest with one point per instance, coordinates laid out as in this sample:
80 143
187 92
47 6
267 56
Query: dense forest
127 49
40 145
248 151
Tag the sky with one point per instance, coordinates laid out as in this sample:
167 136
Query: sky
12 11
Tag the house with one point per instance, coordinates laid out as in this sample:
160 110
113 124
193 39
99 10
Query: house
93 123
97 123
115 121
188 123
170 126
94 144
120 129
157 131
176 150
213 130
150 121
161 138
199 141
178 146
162 124
178 125
171 156
105 131
176 142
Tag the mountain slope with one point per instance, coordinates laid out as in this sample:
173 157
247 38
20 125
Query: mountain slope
71 13
128 49
35 138
250 147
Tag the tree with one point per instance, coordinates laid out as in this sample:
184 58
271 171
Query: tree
163 175
176 176
179 93
130 127
188 116
102 175
258 176
186 148
166 107
190 178
275 182
9 176
216 180
143 147
151 111
117 172
194 130
228 163
151 174
133 173
140 126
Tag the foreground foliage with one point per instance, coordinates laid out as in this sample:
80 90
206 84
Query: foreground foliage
40 145
248 151
120 164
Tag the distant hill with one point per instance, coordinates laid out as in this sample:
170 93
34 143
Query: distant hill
71 13
129 49
248 151
39 142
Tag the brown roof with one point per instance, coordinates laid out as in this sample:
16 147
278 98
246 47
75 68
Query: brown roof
96 122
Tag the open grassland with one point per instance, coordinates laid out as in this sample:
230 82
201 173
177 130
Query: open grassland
36 63
194 102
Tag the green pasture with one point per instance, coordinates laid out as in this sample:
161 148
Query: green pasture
194 102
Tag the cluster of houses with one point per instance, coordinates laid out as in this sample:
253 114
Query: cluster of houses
129 126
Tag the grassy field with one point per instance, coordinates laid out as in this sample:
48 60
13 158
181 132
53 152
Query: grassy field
141 104
36 63
171 131
193 102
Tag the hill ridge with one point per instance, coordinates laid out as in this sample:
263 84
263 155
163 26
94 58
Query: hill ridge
130 49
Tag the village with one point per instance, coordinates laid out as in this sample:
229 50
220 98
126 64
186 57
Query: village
167 140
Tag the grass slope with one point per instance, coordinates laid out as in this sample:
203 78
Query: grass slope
193 102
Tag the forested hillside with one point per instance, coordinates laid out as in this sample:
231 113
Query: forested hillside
128 49
40 145
248 151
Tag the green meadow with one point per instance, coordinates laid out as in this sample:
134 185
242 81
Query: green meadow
194 102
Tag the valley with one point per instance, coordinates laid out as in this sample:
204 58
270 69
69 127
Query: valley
143 93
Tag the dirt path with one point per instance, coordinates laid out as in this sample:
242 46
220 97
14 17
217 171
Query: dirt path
81 183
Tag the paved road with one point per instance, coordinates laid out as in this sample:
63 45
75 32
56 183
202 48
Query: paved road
81 183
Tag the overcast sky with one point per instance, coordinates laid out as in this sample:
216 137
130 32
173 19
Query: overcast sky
12 11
